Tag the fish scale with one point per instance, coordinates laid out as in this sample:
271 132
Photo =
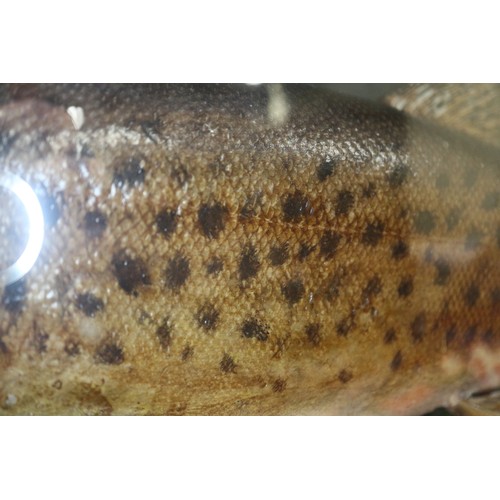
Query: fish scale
206 257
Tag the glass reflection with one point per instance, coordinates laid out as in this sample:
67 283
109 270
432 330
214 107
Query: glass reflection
31 204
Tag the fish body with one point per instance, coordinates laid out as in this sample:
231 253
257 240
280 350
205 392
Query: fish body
246 250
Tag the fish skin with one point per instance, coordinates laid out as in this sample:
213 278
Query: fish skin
211 251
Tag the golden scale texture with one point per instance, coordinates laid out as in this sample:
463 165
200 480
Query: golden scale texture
242 250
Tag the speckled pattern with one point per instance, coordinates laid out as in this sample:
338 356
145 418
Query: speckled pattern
205 257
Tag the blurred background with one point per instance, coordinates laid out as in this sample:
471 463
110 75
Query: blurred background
374 91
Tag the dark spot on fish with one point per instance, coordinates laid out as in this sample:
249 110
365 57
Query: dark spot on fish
495 296
344 326
281 345
187 353
252 328
246 212
151 129
470 335
181 175
279 385
345 201
442 181
212 219
369 190
373 287
177 272
293 291
390 336
473 239
249 263
227 364
329 243
219 167
399 250
164 333
72 348
471 295
396 361
249 209
373 233
451 333
424 222
345 376
109 353
95 223
403 213
488 336
3 347
295 207
166 222
312 333
304 251
215 266
86 151
453 218
442 272
278 255
40 339
14 296
144 318
207 317
405 287
325 169
130 273
332 289
89 304
398 175
491 201
418 327
131 173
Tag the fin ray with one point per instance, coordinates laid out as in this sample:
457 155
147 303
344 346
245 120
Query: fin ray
483 404
473 109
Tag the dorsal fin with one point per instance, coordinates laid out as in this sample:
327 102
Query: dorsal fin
471 108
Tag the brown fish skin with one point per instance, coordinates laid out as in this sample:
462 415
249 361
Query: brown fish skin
227 250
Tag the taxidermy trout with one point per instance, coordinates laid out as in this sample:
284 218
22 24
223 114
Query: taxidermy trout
247 250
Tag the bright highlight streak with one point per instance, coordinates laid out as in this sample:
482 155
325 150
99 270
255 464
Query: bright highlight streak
36 228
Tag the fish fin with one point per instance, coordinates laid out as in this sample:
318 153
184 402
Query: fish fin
470 108
484 404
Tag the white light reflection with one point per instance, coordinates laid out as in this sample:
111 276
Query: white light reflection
35 230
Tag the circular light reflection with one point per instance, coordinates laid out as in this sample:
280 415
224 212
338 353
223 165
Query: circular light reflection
35 230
